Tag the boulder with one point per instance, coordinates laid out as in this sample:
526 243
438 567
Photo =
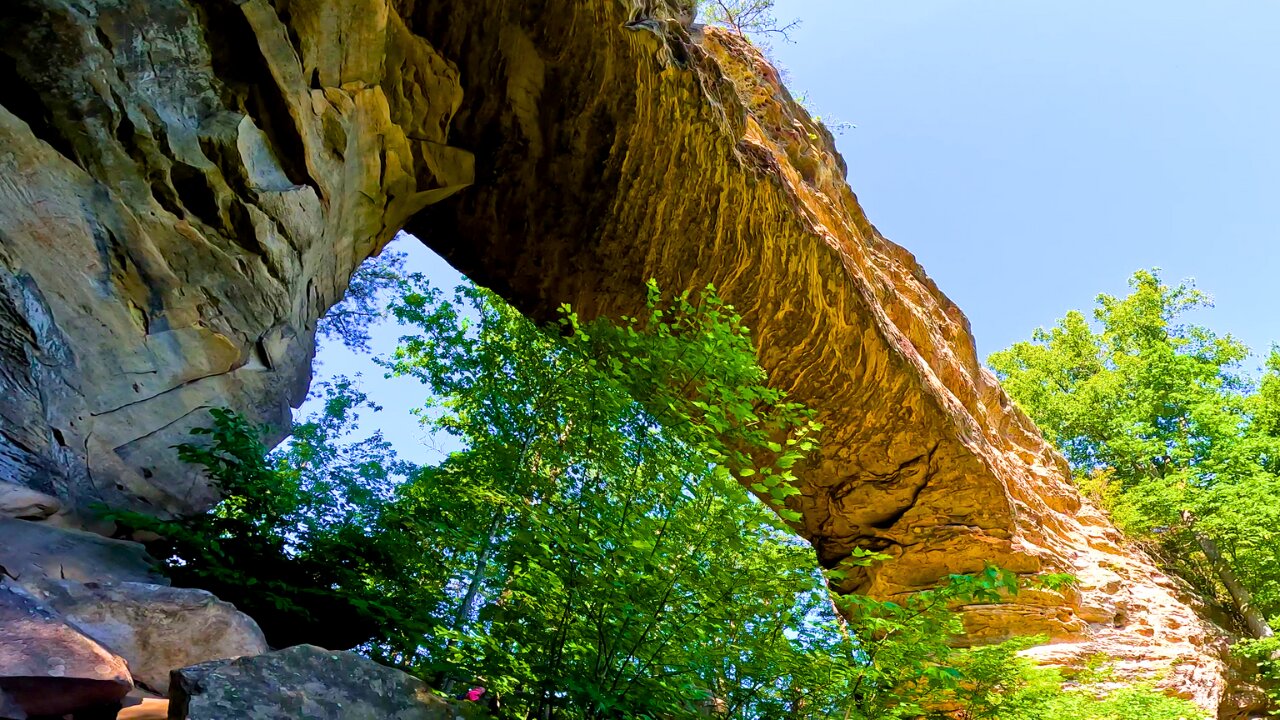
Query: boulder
301 682
17 501
155 628
48 667
30 552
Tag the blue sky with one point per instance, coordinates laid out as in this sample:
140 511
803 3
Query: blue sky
1033 154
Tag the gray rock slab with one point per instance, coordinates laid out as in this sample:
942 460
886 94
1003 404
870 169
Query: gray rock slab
302 682
32 551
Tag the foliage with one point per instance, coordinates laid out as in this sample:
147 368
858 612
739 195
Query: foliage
1265 653
608 538
295 541
612 538
1002 685
364 302
1161 425
747 17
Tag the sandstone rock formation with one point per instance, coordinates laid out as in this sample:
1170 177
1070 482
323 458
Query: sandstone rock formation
185 185
149 709
181 195
21 502
47 667
34 552
302 682
156 629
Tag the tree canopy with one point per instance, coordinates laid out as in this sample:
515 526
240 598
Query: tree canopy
1164 427
611 538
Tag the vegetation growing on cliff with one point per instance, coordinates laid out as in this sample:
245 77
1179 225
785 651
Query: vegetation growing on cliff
1165 429
607 541
746 17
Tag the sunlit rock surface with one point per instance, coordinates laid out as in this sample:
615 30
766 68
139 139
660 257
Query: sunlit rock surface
185 185
47 667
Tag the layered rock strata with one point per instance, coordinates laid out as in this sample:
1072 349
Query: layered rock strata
186 185
184 188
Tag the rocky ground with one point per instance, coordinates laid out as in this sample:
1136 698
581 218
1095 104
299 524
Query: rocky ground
89 631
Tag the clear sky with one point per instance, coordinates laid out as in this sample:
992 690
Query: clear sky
1034 153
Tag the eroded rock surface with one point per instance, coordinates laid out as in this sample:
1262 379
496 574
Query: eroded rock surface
185 185
156 629
47 667
17 501
33 553
302 682
184 188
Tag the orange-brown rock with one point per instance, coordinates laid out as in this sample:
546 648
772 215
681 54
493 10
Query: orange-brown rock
47 668
211 172
685 159
146 709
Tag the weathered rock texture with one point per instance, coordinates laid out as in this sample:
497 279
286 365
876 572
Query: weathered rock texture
33 553
156 629
302 682
185 185
181 195
47 667
17 501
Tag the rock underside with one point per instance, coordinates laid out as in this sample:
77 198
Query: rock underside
186 185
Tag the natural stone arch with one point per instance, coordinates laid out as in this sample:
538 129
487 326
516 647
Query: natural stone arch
188 184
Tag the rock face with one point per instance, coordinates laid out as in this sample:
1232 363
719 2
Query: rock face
156 629
185 185
17 501
183 190
32 553
302 682
47 667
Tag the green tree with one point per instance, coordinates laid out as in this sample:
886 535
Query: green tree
1159 422
610 535
296 542
365 300
610 539
747 17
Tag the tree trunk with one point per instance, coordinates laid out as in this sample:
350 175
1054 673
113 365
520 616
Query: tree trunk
477 576
473 590
1254 620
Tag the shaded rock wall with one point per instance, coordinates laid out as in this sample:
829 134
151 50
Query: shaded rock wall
180 197
185 185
